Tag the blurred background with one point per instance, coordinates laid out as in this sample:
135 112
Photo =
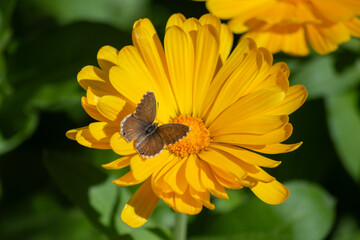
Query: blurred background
53 188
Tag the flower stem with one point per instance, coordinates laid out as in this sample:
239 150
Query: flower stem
180 226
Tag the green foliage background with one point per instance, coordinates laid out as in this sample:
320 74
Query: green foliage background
53 188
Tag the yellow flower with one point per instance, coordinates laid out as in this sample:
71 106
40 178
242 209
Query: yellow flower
287 25
237 106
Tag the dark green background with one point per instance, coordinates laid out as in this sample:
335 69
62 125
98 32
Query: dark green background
53 188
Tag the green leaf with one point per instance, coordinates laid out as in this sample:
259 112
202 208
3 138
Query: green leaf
235 199
86 186
24 125
322 78
93 191
347 229
121 13
344 124
46 79
307 214
44 218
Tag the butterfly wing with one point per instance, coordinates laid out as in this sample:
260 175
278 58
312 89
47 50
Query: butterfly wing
172 132
150 145
132 127
146 109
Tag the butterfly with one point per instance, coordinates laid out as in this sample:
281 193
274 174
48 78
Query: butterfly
150 138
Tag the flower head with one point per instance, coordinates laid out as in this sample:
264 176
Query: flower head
236 106
287 25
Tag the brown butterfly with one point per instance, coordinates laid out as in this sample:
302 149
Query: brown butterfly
150 139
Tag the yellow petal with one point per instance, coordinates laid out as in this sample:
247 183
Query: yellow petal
209 19
206 58
353 25
180 59
120 146
318 41
133 79
157 175
175 20
129 80
336 33
247 156
142 168
289 38
114 108
175 178
270 40
270 80
192 173
257 173
275 148
107 57
204 197
71 134
295 42
152 52
251 170
91 110
91 97
217 159
140 206
247 107
226 9
226 42
185 203
333 10
102 131
264 62
97 79
85 138
232 63
168 198
237 24
295 98
127 180
258 125
209 182
354 5
229 181
192 26
118 163
271 193
276 136
226 179
234 87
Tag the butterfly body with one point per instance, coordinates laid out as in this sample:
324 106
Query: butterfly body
150 137
151 129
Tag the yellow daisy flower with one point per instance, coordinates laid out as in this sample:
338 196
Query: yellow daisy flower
236 106
287 25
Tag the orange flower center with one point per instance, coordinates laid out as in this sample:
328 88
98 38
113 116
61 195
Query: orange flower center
197 138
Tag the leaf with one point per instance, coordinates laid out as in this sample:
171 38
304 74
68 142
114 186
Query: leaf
44 218
46 79
307 214
343 118
322 78
347 229
121 13
93 191
86 186
25 122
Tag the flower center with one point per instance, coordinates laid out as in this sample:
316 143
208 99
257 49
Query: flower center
197 138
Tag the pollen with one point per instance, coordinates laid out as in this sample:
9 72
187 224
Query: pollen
197 138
